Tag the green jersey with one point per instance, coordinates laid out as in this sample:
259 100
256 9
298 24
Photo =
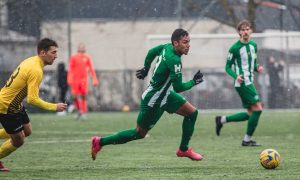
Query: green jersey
166 76
243 58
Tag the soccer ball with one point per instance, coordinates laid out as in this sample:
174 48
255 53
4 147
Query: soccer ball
269 158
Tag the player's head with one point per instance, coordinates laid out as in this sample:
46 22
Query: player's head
81 48
47 50
244 29
181 41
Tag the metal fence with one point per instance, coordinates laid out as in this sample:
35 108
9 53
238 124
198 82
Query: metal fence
119 88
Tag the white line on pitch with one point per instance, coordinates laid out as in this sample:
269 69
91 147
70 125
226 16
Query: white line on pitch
72 132
58 141
63 141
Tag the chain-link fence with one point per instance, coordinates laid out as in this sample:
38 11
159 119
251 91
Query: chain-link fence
119 88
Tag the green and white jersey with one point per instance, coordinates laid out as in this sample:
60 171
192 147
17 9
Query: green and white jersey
166 76
242 60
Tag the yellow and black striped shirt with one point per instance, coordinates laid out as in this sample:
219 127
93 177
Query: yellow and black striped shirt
24 81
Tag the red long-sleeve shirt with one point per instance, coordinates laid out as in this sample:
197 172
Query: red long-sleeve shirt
80 65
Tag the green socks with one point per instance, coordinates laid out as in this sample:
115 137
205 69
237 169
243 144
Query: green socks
131 134
187 130
252 122
242 116
121 137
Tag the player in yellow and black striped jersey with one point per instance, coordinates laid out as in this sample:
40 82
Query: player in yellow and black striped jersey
24 82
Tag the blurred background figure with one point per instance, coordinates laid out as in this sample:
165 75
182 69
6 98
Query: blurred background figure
276 82
79 67
62 84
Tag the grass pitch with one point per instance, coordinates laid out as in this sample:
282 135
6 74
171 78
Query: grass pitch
59 148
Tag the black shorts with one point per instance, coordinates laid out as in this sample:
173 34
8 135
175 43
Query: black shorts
13 123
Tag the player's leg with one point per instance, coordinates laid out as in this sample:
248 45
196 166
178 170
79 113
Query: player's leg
81 100
255 110
17 126
3 134
254 107
189 112
236 117
83 106
24 119
77 102
27 129
84 93
75 92
9 146
147 118
176 103
14 128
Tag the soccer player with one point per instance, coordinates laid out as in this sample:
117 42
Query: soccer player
24 81
162 95
243 57
80 65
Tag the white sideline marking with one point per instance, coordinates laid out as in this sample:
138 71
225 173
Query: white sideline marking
63 141
59 141
72 132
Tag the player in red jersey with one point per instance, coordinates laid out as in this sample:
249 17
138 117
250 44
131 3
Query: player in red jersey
80 65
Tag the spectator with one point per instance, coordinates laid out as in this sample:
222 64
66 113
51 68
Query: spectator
62 84
276 88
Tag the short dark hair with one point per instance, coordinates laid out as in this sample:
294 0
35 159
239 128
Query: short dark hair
177 34
45 44
242 23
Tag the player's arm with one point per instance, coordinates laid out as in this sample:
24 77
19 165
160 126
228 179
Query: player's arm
33 83
180 86
229 63
151 55
257 67
176 77
92 72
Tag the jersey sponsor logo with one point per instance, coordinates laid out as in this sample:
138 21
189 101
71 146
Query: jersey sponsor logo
177 68
229 56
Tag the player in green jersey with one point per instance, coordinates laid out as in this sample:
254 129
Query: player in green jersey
162 95
242 57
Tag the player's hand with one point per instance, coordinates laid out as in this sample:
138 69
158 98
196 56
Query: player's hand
240 78
260 69
198 78
142 73
61 107
95 82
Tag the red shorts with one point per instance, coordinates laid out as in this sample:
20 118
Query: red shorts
79 88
